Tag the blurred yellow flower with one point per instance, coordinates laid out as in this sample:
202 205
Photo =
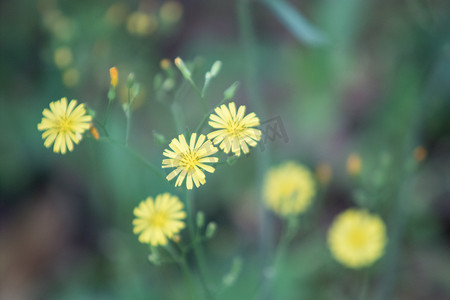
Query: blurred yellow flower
116 14
356 238
63 57
189 160
71 77
114 74
141 24
288 189
171 12
165 63
354 164
324 173
234 130
64 125
159 220
420 153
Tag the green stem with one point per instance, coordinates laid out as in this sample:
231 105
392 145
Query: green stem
137 156
127 133
102 126
108 111
262 157
198 251
128 116
206 117
364 286
177 116
187 273
200 95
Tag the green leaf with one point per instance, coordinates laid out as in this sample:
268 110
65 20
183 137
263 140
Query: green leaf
295 22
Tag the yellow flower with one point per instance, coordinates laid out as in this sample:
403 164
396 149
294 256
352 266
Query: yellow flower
324 173
189 160
234 131
354 164
141 24
63 57
71 77
420 153
64 124
356 238
114 74
289 189
159 220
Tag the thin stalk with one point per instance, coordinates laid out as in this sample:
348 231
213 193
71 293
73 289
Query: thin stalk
137 156
187 273
198 251
206 116
200 95
127 133
262 157
364 286
128 115
108 111
177 116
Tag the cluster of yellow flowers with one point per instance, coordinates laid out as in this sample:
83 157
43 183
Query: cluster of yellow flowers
234 132
356 238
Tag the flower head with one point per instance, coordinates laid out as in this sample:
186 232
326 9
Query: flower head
354 164
289 189
64 125
189 160
234 130
114 74
158 220
356 238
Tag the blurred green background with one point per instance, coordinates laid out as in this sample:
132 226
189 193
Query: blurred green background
366 77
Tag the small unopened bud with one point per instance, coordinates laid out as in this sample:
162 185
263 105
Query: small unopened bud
159 138
236 268
168 84
200 219
135 91
211 229
154 259
111 93
94 132
130 81
231 160
215 69
114 74
182 67
229 92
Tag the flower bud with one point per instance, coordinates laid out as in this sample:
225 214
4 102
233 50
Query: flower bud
215 69
200 219
159 138
229 92
211 229
183 69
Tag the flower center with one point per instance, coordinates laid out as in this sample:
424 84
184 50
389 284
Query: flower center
159 220
65 125
189 161
234 128
357 238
